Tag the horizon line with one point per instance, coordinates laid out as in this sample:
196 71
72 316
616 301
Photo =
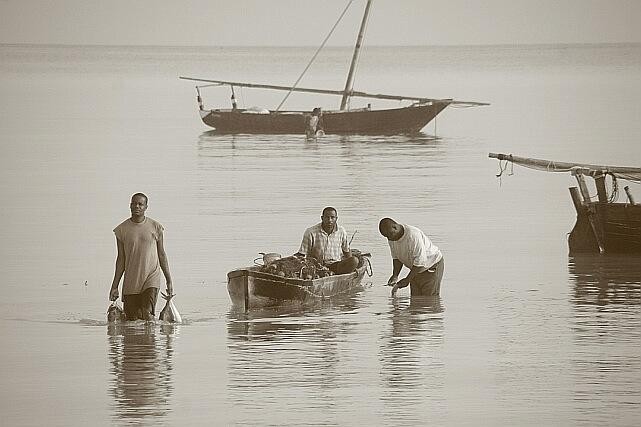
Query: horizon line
331 46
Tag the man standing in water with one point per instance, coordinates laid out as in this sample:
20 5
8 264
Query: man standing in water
327 242
411 248
141 257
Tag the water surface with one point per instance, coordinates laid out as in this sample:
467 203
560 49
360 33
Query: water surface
521 335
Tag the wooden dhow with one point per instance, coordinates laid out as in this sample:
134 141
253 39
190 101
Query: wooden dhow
408 119
602 225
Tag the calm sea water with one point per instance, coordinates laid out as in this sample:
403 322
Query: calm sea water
521 335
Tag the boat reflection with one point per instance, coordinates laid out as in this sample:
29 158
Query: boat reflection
265 324
413 368
606 280
211 140
140 357
293 354
606 331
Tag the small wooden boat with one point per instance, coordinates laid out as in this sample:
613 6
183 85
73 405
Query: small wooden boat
366 120
604 225
251 288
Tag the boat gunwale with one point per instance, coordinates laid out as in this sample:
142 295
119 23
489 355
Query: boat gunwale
253 272
325 112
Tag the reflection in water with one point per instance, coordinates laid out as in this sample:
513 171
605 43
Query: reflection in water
141 366
412 366
607 333
288 362
212 137
603 280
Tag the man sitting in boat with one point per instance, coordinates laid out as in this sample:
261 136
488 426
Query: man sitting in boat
328 243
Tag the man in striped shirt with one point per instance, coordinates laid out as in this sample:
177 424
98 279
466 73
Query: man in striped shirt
328 243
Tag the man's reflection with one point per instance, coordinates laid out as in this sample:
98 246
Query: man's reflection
141 365
410 355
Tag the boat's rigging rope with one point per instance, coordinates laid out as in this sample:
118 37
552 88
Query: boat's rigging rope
503 165
628 174
315 55
551 167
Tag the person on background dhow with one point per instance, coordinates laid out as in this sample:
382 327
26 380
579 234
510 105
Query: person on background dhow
328 243
141 257
410 247
315 126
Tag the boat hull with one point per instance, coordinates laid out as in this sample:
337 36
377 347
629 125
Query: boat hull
616 225
365 121
250 288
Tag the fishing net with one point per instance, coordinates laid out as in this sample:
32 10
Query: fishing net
308 268
297 268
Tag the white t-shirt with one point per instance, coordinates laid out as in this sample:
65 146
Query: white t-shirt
414 248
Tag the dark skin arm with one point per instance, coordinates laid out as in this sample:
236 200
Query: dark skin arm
396 270
119 271
404 281
164 264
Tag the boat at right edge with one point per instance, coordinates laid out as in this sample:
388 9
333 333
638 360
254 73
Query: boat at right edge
603 226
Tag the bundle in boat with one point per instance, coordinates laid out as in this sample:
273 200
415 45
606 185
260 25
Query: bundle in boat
170 312
297 268
307 268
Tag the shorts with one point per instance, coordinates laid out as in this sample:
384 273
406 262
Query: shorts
142 305
429 281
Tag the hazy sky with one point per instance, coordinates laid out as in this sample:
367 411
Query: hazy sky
306 22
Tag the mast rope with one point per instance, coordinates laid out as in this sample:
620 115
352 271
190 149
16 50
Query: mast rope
315 55
631 174
503 165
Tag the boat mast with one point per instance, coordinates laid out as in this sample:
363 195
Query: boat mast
357 48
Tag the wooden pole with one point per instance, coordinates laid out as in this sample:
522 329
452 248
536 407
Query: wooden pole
554 166
359 40
601 191
582 186
629 194
576 199
337 92
582 209
596 229
246 290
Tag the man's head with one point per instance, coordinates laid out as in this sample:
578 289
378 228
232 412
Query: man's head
138 205
328 219
390 229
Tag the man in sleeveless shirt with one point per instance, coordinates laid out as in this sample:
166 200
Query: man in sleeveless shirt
327 242
411 248
141 258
